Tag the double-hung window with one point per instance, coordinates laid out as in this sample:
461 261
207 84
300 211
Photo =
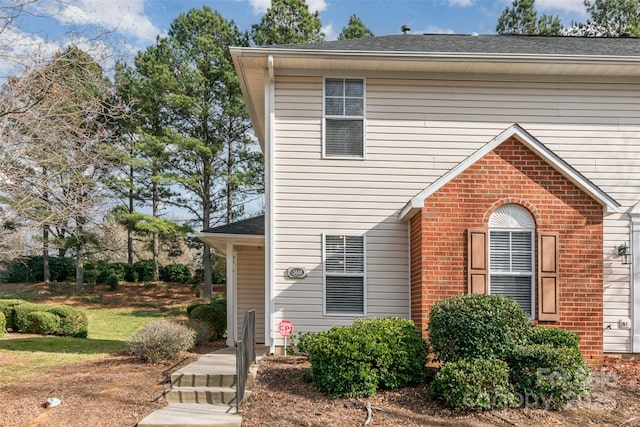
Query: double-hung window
512 255
343 118
344 275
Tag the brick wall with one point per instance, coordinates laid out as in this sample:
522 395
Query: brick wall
512 174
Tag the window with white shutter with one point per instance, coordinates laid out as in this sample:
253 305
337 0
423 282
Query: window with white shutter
511 255
344 118
344 275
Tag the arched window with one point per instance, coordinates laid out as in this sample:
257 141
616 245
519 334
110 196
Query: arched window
512 255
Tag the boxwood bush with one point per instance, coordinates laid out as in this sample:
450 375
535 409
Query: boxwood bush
476 326
161 340
549 376
372 354
6 307
214 314
42 322
479 384
73 321
555 337
20 315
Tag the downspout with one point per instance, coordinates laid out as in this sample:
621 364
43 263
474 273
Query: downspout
269 252
634 244
232 300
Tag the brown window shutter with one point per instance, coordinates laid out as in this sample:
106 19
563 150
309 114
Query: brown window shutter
477 261
548 309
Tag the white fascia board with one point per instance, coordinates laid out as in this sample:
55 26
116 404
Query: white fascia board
608 203
219 240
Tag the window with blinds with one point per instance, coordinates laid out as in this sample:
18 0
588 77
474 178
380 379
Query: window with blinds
344 274
344 118
511 266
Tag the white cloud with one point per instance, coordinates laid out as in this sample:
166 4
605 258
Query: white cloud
431 29
460 3
20 50
564 5
317 5
261 6
122 16
329 32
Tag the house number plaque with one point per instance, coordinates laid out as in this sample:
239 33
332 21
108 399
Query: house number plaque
297 272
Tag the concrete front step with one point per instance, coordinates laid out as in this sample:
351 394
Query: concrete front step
193 415
206 395
181 379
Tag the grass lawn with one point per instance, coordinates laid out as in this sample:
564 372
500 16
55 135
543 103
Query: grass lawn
109 329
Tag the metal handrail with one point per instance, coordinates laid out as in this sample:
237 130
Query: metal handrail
245 354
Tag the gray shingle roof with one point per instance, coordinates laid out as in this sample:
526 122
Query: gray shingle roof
483 44
252 226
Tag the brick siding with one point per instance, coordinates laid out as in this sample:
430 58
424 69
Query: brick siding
512 174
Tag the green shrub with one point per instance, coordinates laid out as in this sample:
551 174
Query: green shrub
130 274
73 321
143 270
42 322
556 337
371 354
478 384
161 340
20 315
3 324
549 376
476 326
178 273
6 307
204 331
214 313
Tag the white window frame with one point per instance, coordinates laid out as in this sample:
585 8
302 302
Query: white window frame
325 273
326 117
514 218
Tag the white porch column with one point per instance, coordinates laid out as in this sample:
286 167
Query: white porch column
635 276
231 298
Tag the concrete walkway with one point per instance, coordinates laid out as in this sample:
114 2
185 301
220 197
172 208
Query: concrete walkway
203 393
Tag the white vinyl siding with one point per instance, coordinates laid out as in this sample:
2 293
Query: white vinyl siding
344 118
344 275
250 284
417 128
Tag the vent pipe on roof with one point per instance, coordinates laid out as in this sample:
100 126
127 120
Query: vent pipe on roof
405 29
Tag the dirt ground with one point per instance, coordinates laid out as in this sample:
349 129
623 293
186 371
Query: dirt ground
280 398
116 390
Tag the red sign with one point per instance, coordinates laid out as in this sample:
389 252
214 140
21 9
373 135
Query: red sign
286 328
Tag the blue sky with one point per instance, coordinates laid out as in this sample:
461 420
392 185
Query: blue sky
131 25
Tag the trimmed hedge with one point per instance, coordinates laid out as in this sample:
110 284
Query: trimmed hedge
42 322
549 376
6 307
20 313
476 326
478 384
371 354
555 337
214 314
73 322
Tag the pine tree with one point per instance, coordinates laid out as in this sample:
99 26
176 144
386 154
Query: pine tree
522 19
287 22
355 29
